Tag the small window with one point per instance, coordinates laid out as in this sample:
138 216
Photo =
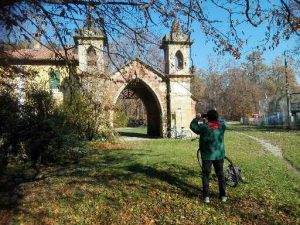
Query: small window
179 60
54 80
91 57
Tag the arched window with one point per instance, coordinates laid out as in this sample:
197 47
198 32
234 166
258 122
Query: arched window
91 57
54 76
179 60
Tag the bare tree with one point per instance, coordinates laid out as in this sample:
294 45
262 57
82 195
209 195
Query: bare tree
255 68
214 83
130 19
241 94
237 91
198 87
279 74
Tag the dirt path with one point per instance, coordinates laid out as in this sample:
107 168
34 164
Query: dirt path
273 149
126 138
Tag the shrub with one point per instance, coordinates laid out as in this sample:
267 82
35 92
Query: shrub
120 119
87 117
9 117
37 130
45 132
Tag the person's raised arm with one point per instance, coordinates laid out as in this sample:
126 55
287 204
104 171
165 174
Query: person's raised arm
195 125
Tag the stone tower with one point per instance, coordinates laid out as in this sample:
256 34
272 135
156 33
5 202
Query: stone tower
90 42
176 48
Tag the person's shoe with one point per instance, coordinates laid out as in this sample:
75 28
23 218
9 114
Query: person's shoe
223 199
206 200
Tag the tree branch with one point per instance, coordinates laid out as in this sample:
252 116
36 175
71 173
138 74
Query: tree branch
247 14
95 3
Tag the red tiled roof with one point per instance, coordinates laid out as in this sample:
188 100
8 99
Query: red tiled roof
42 53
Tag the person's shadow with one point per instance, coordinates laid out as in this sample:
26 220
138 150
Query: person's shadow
188 189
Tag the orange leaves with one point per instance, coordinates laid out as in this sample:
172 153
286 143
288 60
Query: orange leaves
98 145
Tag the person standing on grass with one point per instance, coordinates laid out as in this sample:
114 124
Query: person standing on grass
212 150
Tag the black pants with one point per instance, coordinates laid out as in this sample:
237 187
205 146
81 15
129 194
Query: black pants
206 168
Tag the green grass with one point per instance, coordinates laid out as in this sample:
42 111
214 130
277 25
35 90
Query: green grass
133 131
287 140
155 182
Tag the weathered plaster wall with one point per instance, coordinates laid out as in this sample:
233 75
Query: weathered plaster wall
171 58
83 46
42 78
182 105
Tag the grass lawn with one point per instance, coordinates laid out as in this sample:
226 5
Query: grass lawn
287 140
133 131
154 182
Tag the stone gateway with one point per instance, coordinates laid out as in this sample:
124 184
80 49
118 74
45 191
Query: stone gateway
166 95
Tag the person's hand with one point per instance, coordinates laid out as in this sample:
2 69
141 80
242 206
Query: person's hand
198 116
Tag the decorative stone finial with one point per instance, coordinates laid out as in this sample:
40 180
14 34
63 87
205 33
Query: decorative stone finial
37 38
90 29
89 21
175 26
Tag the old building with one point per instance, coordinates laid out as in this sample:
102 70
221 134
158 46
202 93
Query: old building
166 95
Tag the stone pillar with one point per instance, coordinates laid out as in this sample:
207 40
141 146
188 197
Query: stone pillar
176 48
90 38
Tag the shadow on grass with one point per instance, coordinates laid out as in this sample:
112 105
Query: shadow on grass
151 172
10 192
132 134
11 195
123 169
114 170
136 135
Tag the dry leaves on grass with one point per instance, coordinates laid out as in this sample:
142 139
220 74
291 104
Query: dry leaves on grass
100 145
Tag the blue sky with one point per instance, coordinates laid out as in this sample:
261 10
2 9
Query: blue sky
202 48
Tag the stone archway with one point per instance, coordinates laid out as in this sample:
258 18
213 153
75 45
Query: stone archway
151 103
150 86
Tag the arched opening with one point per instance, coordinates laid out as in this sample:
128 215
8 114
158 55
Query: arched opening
179 60
91 56
138 106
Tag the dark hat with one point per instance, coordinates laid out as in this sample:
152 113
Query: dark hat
212 115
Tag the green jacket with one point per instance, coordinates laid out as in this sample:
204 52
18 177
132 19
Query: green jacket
211 140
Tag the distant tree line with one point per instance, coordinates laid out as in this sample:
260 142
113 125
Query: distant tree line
236 91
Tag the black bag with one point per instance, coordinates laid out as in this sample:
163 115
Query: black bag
232 173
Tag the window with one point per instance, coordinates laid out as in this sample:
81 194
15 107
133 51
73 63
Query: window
179 60
54 80
91 57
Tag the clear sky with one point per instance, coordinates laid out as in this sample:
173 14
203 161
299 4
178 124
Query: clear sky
202 48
